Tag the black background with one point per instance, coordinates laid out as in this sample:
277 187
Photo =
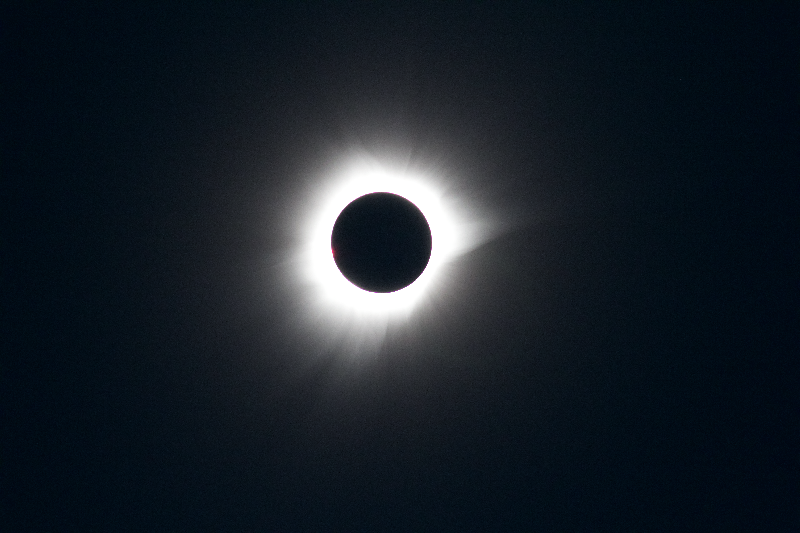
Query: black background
624 359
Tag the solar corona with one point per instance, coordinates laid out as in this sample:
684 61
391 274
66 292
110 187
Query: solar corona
376 245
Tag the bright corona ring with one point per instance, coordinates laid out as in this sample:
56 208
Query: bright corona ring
336 305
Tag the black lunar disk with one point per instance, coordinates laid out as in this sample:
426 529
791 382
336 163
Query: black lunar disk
381 242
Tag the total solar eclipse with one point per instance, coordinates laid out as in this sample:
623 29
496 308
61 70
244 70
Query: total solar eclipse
381 242
378 242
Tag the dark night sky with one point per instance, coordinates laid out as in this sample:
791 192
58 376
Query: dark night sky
621 358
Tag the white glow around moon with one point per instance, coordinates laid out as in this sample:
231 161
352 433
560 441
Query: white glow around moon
337 309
